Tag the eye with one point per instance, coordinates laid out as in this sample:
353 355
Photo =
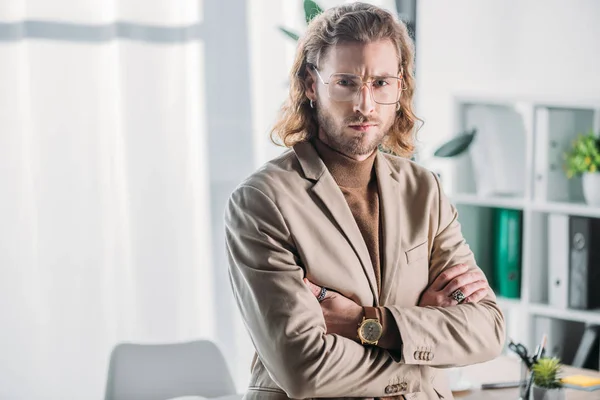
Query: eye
381 82
345 82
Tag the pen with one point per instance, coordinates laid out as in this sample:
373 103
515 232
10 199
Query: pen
534 355
500 385
538 354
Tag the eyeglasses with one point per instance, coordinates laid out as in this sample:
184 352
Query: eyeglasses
346 87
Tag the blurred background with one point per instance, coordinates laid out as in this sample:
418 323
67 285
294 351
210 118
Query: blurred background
126 124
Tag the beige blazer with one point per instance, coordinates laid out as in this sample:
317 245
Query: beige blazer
290 220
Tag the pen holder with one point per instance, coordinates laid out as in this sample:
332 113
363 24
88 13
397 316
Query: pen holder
524 381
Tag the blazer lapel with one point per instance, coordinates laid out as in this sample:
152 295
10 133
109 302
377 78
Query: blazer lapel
390 197
327 190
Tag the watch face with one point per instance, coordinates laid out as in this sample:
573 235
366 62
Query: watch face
371 331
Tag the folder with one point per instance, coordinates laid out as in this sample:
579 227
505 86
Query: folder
558 260
507 252
584 275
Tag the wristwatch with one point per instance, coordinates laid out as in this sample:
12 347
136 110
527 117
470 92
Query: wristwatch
370 329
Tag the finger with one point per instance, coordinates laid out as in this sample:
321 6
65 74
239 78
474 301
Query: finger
460 281
471 288
477 296
447 275
315 290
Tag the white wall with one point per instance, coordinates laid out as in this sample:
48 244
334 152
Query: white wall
526 48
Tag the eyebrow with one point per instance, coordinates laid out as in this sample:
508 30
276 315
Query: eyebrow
382 75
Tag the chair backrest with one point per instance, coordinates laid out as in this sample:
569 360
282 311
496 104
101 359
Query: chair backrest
164 371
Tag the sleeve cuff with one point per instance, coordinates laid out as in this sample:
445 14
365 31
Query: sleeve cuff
391 339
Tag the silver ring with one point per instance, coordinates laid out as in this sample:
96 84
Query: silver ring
458 295
322 294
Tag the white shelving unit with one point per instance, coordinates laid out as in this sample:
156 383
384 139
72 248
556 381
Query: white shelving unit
489 201
515 162
580 209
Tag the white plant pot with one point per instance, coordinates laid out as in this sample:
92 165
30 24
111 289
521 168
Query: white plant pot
540 393
591 188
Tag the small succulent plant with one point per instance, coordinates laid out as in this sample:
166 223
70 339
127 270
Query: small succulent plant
546 373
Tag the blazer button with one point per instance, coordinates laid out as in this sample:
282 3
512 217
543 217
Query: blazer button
388 389
396 388
416 355
421 355
403 386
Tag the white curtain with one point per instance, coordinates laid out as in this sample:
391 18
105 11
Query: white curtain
103 188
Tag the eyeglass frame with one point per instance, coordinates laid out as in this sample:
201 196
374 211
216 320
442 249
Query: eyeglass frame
368 83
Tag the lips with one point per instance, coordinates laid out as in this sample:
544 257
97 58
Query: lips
361 127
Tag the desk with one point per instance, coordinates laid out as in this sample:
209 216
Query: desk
504 369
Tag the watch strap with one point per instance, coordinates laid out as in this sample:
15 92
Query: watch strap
371 313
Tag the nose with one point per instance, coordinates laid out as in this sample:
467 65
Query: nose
364 100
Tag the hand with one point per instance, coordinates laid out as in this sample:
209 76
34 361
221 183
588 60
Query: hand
473 284
341 314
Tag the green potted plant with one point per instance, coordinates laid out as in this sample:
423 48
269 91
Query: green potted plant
546 380
311 10
583 159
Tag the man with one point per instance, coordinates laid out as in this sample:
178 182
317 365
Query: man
348 263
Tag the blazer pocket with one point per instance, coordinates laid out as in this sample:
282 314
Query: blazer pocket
417 253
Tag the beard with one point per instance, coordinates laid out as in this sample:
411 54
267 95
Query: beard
356 143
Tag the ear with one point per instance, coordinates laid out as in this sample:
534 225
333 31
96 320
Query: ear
310 84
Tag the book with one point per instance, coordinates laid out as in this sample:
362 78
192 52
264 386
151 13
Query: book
506 250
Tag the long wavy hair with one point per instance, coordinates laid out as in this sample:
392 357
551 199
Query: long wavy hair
355 22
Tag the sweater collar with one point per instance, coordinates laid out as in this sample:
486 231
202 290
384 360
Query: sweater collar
346 171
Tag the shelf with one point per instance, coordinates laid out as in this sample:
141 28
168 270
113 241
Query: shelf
503 99
514 164
587 316
580 209
515 203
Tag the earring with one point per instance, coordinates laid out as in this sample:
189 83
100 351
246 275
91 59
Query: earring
312 104
398 106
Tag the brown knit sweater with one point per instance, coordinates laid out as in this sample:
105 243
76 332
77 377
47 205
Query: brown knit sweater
358 183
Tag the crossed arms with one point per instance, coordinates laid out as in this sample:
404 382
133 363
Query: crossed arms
289 331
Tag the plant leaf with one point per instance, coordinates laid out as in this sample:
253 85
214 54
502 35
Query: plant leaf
584 155
546 372
289 33
311 10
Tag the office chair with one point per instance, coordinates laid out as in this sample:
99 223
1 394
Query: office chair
166 371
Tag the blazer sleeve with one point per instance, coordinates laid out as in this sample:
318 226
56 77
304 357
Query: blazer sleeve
284 318
451 336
